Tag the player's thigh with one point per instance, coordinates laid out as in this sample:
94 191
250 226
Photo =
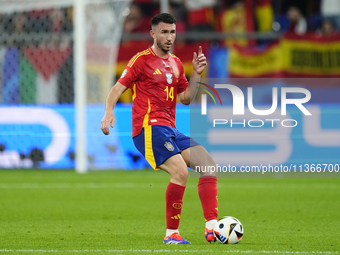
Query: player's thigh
186 156
176 167
198 156
184 143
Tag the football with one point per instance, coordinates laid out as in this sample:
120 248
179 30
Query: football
228 230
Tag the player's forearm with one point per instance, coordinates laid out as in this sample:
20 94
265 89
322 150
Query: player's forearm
112 99
191 91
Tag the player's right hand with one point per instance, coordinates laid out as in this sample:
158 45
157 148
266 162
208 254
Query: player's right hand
107 121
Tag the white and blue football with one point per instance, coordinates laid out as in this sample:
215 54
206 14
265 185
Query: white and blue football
228 230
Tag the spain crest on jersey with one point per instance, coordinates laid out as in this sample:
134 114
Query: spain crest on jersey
169 146
168 77
176 72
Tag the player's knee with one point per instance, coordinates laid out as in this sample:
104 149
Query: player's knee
181 175
184 174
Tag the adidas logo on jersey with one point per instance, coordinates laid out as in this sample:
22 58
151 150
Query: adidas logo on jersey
157 72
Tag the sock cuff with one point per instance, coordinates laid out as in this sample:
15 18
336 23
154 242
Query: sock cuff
176 186
203 180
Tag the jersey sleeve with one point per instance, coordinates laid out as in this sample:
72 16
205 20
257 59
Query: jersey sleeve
132 72
182 81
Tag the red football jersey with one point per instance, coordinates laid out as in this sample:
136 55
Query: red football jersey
155 83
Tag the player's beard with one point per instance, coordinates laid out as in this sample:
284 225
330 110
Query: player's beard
160 46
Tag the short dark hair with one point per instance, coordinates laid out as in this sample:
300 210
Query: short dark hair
163 17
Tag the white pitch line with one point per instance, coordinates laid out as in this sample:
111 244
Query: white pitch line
73 185
132 185
168 251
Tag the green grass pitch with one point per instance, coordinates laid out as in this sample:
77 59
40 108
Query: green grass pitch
123 212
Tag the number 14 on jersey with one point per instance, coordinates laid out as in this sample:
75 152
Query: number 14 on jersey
169 93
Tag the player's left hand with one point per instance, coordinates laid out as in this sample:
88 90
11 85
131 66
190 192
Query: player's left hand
199 61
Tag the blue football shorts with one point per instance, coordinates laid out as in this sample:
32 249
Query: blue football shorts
158 143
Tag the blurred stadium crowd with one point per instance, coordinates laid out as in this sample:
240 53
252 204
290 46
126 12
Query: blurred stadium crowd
299 16
23 28
28 38
242 16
